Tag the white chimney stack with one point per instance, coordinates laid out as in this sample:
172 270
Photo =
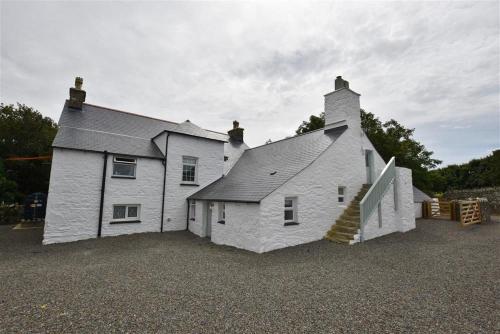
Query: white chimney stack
342 107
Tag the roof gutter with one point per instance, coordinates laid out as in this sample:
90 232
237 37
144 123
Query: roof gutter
164 182
103 187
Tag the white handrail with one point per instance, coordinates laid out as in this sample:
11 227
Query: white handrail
376 192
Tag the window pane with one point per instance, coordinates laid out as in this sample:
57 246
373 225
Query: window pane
188 173
288 214
288 203
132 212
123 169
119 212
341 190
341 199
188 160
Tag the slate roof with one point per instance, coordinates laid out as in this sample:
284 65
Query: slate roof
96 128
263 169
419 196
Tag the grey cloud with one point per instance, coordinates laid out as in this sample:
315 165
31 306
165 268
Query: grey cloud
265 64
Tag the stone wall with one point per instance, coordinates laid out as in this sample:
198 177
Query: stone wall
492 194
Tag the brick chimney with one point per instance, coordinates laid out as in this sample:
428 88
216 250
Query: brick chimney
77 94
236 133
342 107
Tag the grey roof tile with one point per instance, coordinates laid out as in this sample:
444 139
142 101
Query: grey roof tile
263 169
96 128
419 196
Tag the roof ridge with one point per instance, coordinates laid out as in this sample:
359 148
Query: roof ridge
287 138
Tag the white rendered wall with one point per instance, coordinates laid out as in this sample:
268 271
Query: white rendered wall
401 220
210 167
418 209
145 190
316 189
242 228
233 151
74 196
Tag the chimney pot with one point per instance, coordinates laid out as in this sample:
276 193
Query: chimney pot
78 83
341 83
236 124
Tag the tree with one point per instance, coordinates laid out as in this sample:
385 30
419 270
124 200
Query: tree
8 188
477 173
390 139
24 132
315 122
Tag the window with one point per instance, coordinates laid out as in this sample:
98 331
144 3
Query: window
126 213
192 210
222 213
124 167
189 169
290 211
341 194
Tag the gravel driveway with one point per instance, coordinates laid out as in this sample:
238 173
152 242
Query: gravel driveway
437 278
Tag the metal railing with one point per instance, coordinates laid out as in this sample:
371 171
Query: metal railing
376 192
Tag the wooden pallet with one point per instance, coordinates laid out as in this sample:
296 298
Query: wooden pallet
470 213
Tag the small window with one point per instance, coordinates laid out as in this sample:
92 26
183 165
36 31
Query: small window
123 212
222 213
192 210
124 167
290 210
341 194
189 169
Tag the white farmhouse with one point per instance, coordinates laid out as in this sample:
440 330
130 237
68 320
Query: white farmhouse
116 173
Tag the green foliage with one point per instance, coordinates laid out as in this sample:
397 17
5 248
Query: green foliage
477 173
315 122
390 139
24 132
8 188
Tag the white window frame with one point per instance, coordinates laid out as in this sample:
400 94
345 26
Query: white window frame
292 208
127 218
341 196
195 164
192 209
118 160
222 212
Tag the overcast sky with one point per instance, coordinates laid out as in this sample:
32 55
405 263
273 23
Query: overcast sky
434 67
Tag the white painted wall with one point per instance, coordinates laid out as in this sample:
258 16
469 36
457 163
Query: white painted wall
242 228
401 220
145 190
74 196
316 189
210 156
418 210
75 190
233 151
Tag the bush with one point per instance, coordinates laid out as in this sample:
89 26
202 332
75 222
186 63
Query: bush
10 214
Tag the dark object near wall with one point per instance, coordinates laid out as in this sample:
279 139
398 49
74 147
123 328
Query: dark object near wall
34 206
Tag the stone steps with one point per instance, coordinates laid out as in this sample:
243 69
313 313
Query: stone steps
346 228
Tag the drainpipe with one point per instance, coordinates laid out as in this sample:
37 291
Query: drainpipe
187 215
164 182
103 187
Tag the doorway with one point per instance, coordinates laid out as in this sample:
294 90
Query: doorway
369 166
208 219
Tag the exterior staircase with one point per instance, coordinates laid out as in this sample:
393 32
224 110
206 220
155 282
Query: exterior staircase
346 228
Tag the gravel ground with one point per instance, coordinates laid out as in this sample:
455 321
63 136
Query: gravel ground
437 278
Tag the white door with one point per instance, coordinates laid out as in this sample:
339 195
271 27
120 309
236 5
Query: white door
369 166
209 219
